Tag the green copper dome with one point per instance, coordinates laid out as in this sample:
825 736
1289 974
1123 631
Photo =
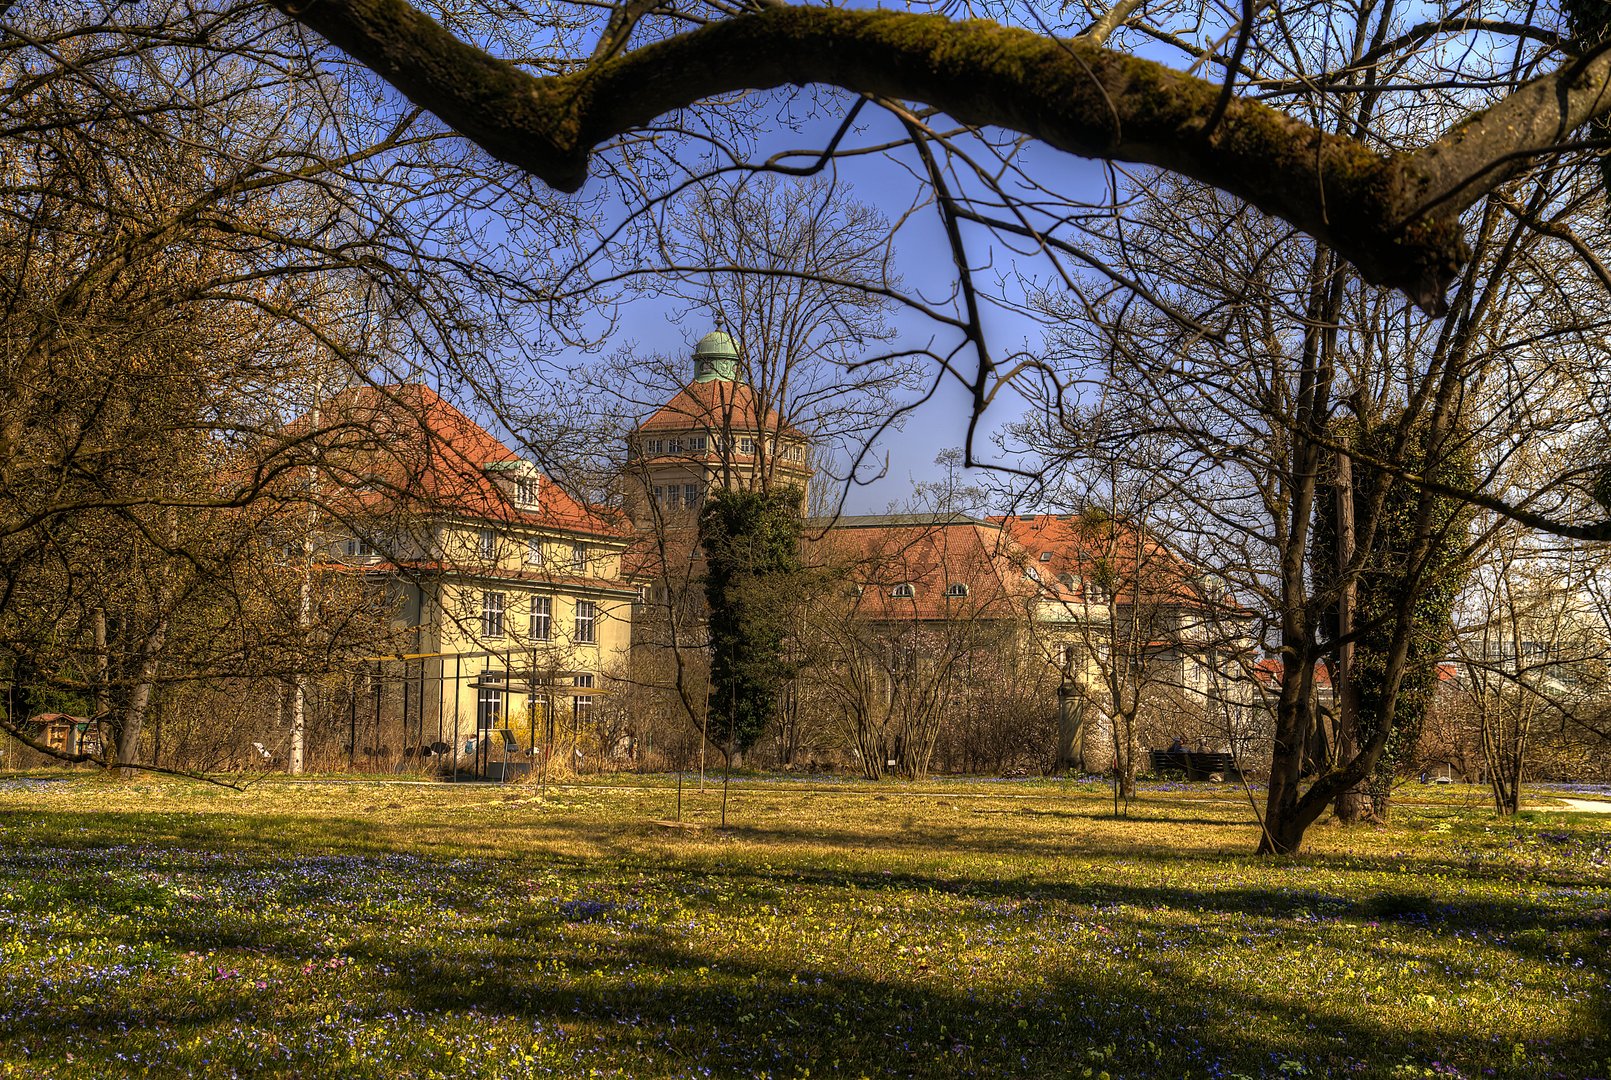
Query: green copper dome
716 358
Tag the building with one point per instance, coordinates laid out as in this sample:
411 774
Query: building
509 606
715 433
944 607
929 641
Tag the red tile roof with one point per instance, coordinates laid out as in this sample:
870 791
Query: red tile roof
717 406
407 445
881 554
1091 547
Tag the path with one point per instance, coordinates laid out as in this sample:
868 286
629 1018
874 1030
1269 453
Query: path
1581 806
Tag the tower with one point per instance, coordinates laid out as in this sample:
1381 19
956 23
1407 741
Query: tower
715 433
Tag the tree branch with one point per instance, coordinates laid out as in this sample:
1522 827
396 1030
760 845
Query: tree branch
1394 216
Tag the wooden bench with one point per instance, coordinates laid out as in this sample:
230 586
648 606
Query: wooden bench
1192 764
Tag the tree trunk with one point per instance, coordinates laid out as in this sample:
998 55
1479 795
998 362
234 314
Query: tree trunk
132 722
1354 804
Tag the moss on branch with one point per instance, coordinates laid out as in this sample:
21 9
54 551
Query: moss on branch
1395 217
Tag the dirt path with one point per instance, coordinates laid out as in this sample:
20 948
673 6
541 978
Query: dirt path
1582 806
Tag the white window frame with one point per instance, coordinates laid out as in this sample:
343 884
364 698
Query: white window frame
587 623
488 705
579 557
584 702
493 606
542 618
489 543
956 589
904 591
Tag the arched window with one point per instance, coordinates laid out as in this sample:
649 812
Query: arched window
903 591
956 588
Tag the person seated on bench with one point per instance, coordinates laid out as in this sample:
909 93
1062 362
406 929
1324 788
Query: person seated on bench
1178 746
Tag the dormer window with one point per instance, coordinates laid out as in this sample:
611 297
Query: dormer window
1045 556
518 480
903 591
956 589
359 548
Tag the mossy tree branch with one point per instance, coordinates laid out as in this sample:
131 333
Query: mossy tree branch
1394 216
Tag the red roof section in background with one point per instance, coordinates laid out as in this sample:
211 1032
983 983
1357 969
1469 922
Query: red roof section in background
1076 544
880 554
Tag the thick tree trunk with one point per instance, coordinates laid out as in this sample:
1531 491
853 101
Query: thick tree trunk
132 723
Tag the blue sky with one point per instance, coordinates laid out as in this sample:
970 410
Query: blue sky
924 261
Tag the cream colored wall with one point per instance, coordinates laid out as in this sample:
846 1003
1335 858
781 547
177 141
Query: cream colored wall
513 551
450 621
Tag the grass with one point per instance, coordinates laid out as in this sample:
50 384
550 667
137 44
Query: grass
836 929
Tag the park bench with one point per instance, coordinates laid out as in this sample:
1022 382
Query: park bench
1192 764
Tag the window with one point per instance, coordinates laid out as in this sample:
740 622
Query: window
1045 556
586 622
526 490
956 588
542 618
584 702
746 445
534 551
492 614
660 495
673 446
1031 573
690 495
903 591
697 442
359 548
579 558
488 702
489 544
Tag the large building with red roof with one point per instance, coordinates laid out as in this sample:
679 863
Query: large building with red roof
1078 602
510 594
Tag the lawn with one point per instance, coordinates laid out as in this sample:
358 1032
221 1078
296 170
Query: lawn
953 928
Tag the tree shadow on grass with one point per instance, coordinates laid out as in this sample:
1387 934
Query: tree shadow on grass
657 1005
742 1016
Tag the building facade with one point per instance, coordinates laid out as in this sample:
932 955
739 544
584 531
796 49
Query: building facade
511 612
